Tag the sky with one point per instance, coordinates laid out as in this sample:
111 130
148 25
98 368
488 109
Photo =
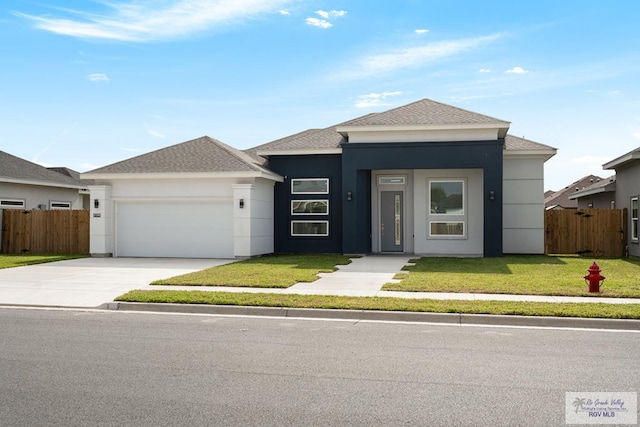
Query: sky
87 83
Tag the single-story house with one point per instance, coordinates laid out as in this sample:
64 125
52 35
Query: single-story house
426 178
26 185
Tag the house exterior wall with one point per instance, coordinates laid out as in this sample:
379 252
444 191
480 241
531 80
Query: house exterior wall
523 205
473 242
301 167
628 187
36 195
362 158
598 201
250 228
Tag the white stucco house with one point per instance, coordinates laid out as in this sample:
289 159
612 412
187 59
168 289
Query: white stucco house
426 178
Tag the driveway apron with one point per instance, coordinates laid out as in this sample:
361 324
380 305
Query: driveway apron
89 282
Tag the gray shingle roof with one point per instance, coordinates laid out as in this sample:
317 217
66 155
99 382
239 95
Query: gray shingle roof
425 112
561 198
204 154
516 143
15 168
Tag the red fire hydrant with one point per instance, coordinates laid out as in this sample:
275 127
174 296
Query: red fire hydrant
594 278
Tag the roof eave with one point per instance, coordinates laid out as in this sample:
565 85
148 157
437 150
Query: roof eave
502 127
545 154
634 155
183 175
41 183
299 152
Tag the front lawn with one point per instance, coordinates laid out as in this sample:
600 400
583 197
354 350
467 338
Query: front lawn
273 271
592 310
8 261
522 275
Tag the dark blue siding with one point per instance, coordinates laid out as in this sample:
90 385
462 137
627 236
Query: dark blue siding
316 166
359 159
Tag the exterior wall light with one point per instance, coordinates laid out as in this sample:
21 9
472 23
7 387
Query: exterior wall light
349 196
492 195
96 203
241 204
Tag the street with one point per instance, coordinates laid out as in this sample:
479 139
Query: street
80 368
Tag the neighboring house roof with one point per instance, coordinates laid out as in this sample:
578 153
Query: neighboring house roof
560 199
623 160
21 171
200 155
603 186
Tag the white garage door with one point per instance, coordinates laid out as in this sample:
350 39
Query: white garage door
180 230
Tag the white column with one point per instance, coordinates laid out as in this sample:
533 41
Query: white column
101 221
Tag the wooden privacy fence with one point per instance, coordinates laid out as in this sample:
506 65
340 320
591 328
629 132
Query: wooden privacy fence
45 232
593 232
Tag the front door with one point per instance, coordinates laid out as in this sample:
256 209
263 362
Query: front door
391 227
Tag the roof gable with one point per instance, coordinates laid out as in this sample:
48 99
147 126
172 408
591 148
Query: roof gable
15 169
204 154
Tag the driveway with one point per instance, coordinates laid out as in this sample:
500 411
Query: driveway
89 282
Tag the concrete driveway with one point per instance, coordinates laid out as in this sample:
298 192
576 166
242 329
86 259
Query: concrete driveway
89 282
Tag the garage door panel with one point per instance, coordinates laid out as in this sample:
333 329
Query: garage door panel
202 230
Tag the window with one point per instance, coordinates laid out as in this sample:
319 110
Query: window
309 228
446 197
310 186
60 206
634 219
447 212
12 204
309 207
390 180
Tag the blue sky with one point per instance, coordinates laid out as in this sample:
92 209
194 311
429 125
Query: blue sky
87 83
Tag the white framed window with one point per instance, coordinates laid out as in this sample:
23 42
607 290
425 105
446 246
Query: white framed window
12 204
310 207
634 219
447 216
310 186
60 206
310 228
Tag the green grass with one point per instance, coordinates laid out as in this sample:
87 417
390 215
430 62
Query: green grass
274 271
9 261
523 275
590 310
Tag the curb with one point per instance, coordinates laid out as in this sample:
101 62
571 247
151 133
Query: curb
388 316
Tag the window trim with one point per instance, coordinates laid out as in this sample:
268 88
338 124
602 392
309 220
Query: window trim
326 201
310 235
464 196
309 179
3 205
59 208
633 220
449 236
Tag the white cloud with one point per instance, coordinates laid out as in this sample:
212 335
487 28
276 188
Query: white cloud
155 134
590 160
413 56
98 77
636 135
147 21
284 12
375 99
517 70
421 31
333 13
484 70
320 23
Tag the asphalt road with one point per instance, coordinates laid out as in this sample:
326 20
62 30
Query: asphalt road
80 368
